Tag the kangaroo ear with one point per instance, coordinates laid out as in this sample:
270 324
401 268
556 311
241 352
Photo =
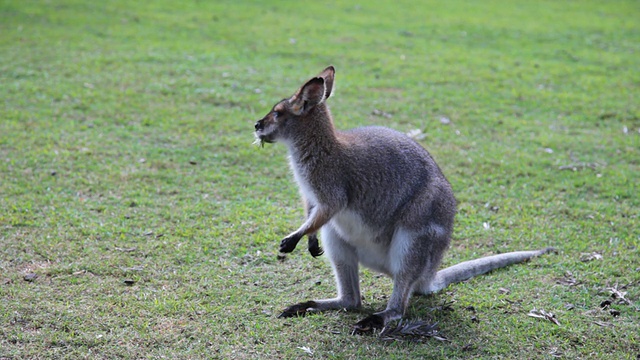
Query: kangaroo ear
328 74
310 94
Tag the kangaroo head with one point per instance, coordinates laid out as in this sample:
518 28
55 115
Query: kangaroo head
290 113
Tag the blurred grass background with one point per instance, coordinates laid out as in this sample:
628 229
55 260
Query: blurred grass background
125 133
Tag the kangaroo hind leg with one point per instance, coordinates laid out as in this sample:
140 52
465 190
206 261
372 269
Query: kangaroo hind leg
344 260
412 258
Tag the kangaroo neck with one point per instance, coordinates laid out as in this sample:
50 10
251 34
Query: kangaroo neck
315 137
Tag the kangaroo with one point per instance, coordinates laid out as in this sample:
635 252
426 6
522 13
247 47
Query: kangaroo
378 199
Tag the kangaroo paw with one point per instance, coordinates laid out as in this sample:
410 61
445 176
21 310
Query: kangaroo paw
368 324
314 247
289 243
299 309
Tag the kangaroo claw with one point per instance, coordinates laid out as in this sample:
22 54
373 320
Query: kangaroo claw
368 324
299 309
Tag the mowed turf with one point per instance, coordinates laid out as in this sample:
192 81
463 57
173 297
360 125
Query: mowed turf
138 221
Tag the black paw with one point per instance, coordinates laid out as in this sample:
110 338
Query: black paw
289 243
368 324
314 246
299 309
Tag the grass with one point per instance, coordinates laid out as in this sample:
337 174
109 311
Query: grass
125 154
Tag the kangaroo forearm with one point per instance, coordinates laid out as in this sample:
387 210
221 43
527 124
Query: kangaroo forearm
317 218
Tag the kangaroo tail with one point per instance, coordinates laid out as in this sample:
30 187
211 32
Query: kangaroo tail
468 269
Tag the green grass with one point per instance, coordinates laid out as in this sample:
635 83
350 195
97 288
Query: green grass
125 154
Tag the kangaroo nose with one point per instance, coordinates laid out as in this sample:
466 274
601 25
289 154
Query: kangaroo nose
259 125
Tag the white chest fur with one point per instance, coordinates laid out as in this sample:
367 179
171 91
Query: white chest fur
305 189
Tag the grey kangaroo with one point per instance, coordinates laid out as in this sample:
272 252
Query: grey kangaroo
378 199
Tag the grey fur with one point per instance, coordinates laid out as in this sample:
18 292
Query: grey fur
378 198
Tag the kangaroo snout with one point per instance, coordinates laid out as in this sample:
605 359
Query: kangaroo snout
259 125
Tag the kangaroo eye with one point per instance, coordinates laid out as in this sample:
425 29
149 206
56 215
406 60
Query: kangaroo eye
276 114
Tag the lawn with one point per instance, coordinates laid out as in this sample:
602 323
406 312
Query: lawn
137 220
